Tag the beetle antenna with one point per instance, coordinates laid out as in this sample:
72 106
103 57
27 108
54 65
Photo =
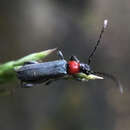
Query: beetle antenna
98 41
113 78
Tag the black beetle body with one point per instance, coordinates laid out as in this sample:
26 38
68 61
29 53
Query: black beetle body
41 72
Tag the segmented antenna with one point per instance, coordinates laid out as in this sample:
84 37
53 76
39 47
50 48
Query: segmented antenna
98 41
113 78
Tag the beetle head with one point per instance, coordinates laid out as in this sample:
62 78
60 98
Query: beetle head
85 68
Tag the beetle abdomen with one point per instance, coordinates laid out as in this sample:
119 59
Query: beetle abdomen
41 72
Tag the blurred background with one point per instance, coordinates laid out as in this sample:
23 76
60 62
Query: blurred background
29 26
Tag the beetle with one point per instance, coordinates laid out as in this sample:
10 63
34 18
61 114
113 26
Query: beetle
34 72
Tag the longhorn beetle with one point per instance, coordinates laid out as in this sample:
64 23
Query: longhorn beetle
33 72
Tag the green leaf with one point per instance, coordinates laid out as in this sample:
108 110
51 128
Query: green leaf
7 72
85 77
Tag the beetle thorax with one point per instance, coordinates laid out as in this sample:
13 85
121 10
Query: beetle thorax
73 67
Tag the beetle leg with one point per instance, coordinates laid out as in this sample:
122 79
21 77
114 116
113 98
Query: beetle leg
80 79
74 58
48 82
30 62
60 54
26 85
21 84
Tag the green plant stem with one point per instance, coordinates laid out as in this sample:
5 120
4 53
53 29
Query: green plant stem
7 72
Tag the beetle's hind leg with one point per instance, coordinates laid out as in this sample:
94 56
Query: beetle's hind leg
25 85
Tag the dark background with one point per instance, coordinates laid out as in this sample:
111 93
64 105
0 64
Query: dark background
29 26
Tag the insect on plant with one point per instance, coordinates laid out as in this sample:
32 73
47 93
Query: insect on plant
46 72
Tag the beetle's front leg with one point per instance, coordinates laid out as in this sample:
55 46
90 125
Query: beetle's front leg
80 79
74 58
48 82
